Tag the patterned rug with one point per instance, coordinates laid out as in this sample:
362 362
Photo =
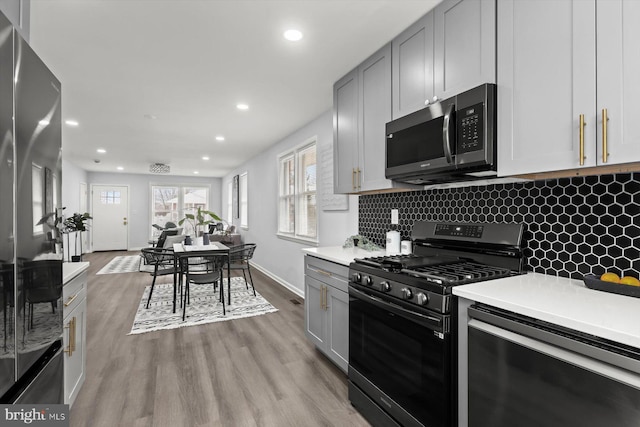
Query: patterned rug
204 307
122 264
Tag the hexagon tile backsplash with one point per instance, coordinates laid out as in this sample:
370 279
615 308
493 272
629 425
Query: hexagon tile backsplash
573 226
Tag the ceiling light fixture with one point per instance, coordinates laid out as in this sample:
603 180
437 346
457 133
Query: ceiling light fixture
44 122
196 172
71 123
293 35
205 157
159 168
242 107
120 168
219 138
101 150
150 116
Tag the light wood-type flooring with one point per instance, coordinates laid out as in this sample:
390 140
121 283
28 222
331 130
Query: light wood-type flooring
258 371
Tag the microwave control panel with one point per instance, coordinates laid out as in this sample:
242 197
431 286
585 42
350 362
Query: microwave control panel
470 128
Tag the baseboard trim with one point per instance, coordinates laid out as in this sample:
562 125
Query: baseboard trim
279 280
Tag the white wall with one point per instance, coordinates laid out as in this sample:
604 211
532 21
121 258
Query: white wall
72 176
140 201
280 258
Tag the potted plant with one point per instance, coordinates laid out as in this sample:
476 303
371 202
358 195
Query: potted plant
201 218
77 223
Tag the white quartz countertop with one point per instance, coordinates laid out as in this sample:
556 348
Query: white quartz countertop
72 269
564 302
341 255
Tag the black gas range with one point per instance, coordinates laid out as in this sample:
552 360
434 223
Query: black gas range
402 321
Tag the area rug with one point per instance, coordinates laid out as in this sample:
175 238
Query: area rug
204 307
122 264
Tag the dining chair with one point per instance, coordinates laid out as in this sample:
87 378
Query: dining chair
239 257
202 269
162 262
42 284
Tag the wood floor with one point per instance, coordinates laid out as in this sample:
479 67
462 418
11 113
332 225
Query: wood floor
258 371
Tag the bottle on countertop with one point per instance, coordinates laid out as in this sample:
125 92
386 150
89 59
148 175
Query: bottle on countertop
393 242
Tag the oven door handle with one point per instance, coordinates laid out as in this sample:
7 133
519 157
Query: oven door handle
431 322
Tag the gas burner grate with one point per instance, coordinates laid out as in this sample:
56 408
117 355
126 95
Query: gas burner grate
458 273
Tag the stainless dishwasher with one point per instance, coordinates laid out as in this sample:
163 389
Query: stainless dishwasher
528 373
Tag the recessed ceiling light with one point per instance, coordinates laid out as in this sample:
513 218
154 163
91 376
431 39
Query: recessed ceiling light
196 172
242 107
150 116
293 35
219 138
71 123
120 168
205 157
101 150
44 122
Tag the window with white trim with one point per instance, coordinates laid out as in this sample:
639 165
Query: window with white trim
297 209
169 203
244 201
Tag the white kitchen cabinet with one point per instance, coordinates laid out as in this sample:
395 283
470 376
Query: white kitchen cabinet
448 51
327 308
618 82
362 107
550 97
75 333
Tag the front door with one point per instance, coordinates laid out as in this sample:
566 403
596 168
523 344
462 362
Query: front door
110 211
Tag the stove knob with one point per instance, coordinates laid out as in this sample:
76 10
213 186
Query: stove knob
422 298
406 293
385 286
356 277
367 281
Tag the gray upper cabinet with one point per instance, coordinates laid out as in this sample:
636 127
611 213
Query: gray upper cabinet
374 79
345 133
412 67
449 50
550 99
361 108
464 45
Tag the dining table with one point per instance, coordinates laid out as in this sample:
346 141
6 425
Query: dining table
181 250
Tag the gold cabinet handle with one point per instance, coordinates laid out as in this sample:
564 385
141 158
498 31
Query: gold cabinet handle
582 124
324 273
70 300
358 181
322 297
605 149
71 326
325 298
353 178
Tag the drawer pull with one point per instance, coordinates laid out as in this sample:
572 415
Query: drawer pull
324 273
70 300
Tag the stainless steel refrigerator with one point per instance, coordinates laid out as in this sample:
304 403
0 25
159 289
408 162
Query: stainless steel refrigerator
31 362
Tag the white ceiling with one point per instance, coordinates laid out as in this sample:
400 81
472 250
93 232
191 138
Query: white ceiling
189 62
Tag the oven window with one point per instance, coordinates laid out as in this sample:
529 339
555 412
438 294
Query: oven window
403 359
512 385
418 143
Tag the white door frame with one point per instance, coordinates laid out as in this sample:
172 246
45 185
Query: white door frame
128 207
84 200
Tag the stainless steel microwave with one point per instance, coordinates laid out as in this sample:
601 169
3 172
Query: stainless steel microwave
450 140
